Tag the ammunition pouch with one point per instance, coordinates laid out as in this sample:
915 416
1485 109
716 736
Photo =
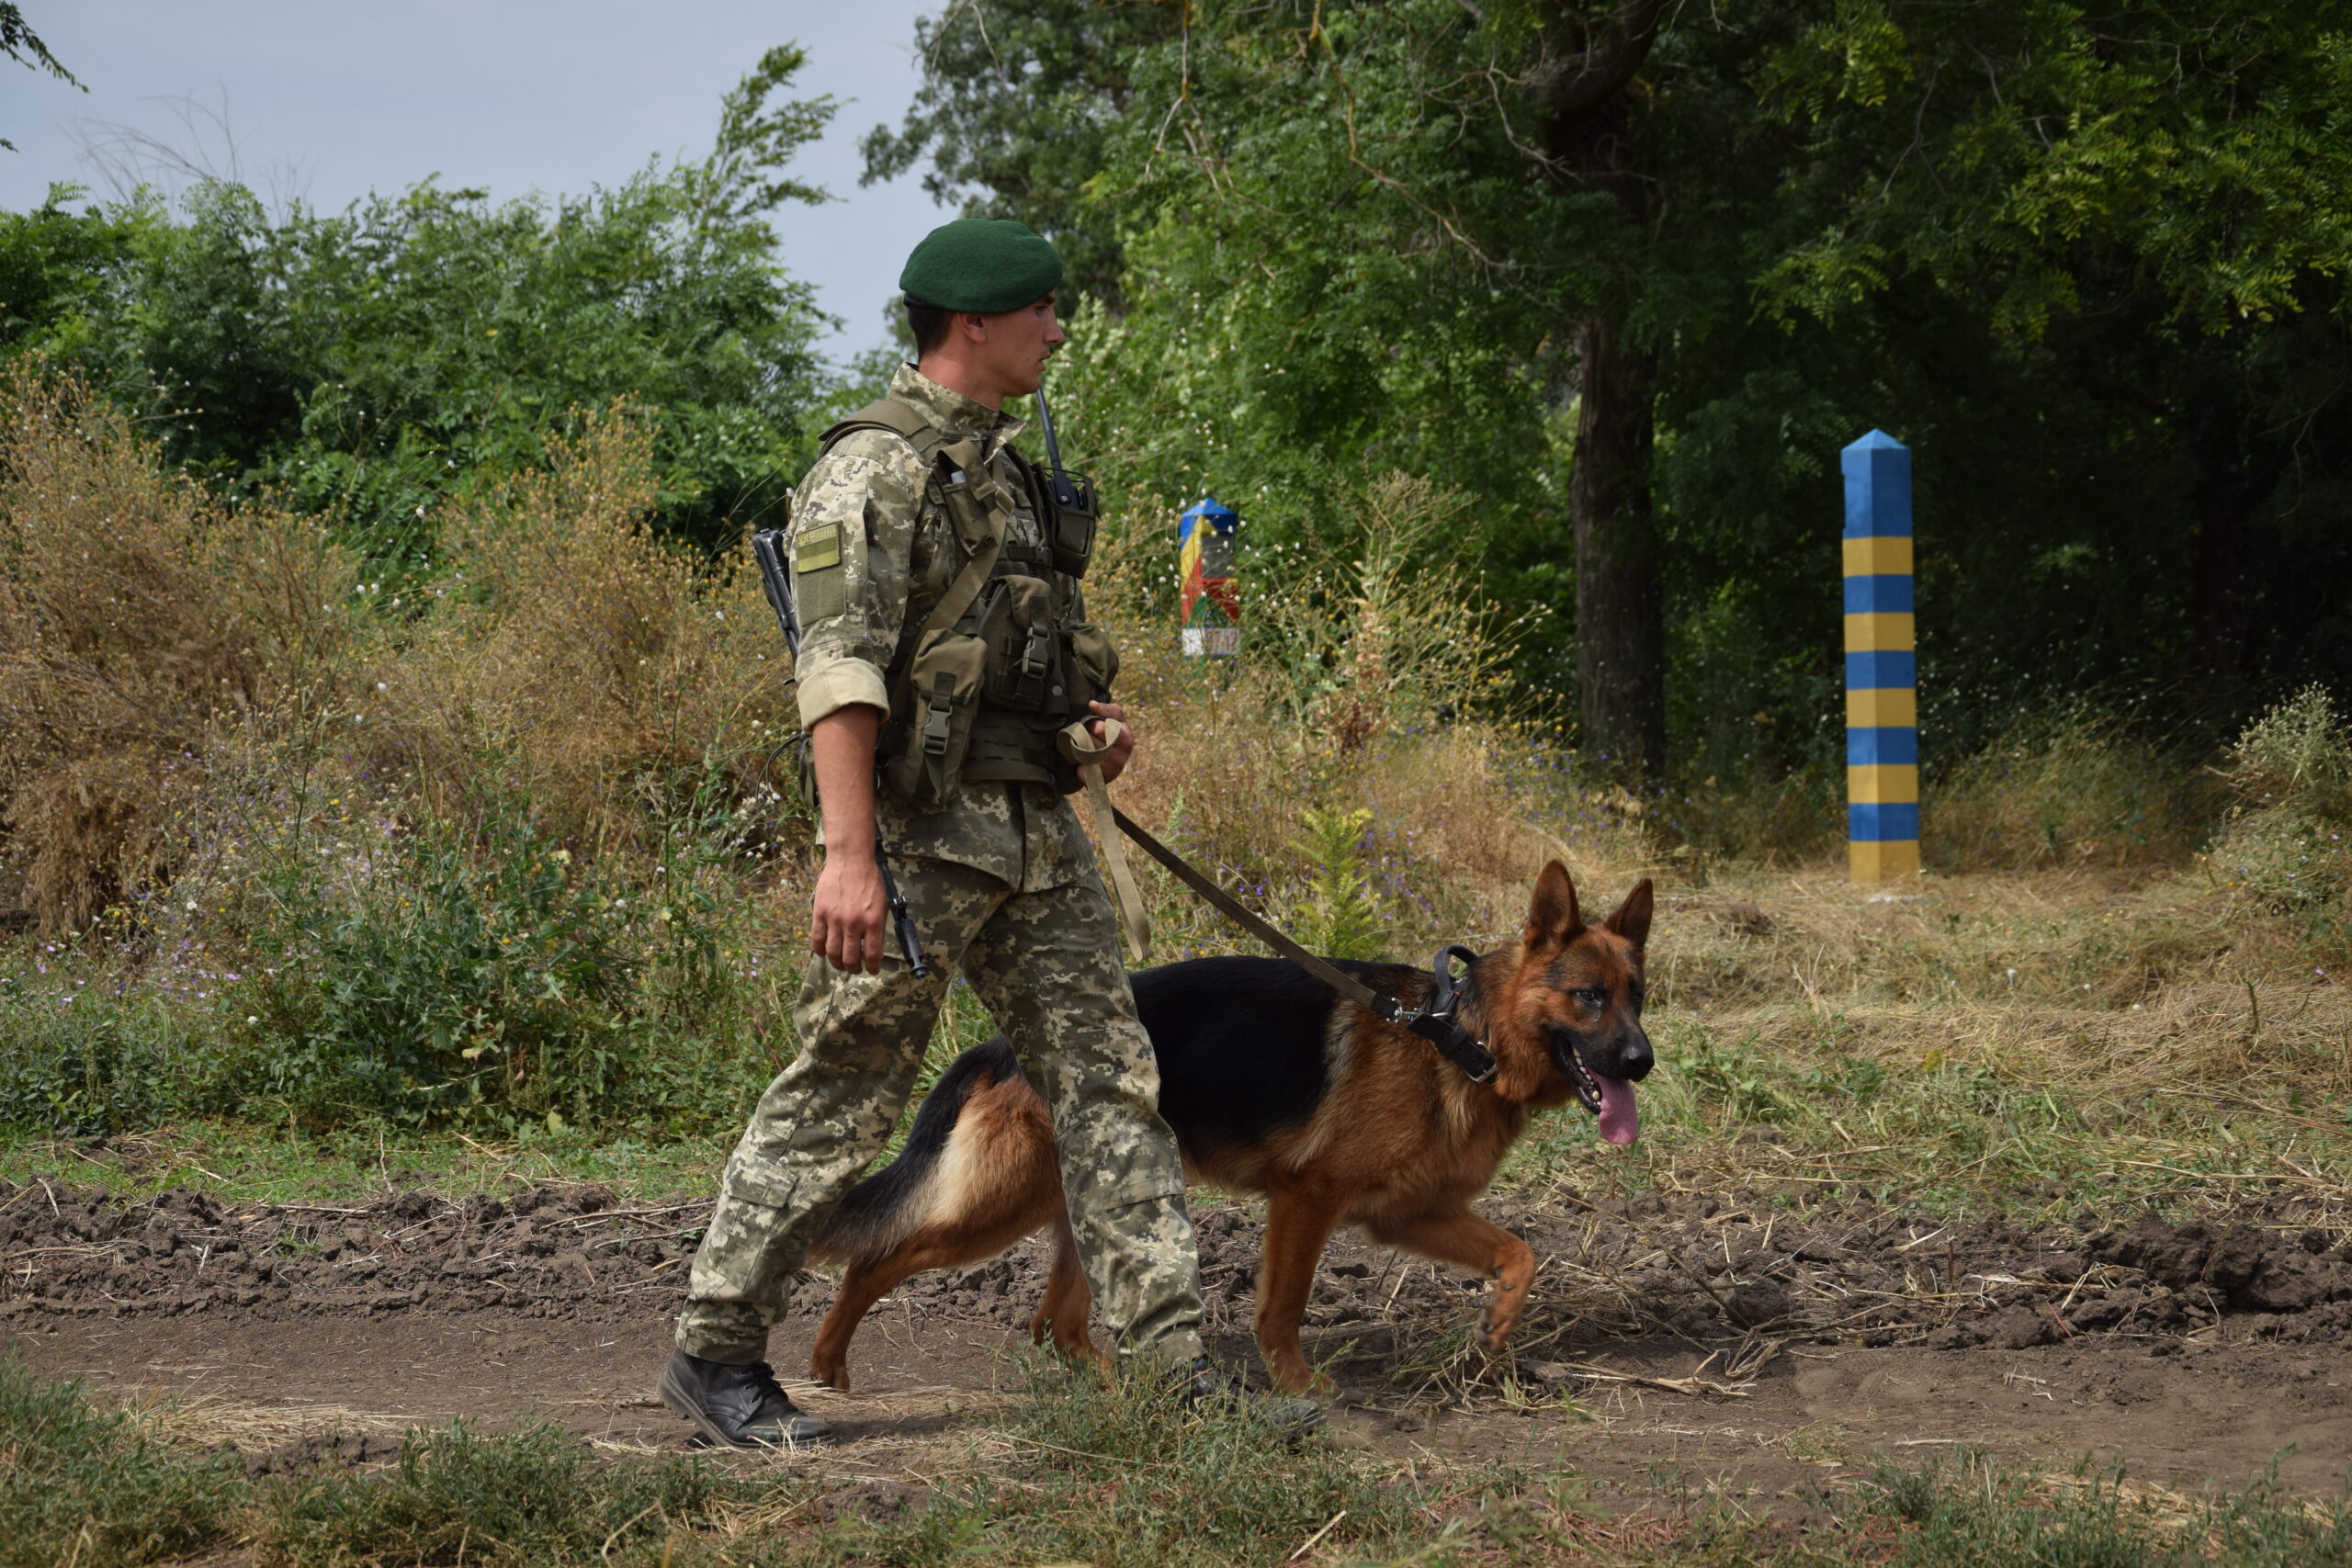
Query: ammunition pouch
933 706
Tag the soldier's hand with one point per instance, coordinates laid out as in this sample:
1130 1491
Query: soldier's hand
845 929
1114 761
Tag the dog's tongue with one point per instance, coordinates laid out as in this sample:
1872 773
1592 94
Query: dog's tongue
1620 1123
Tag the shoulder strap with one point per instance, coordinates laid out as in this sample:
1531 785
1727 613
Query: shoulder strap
899 417
967 586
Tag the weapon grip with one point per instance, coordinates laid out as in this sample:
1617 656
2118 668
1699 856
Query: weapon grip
910 943
775 581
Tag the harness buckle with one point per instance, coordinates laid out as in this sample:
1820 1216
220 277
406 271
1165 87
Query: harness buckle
935 730
1436 1022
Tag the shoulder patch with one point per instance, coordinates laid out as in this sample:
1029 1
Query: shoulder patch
817 547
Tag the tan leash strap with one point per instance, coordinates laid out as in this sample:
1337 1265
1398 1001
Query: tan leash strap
1079 748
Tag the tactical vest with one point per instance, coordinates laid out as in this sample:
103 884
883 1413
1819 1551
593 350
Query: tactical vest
980 686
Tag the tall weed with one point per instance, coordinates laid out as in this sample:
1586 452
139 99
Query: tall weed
2284 841
1342 921
2077 784
606 672
139 619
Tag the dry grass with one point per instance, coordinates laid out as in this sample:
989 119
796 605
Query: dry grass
607 670
139 621
2076 787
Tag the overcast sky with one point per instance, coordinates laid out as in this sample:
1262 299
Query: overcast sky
329 100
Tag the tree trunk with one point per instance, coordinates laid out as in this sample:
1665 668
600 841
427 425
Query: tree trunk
1620 624
2224 493
1620 621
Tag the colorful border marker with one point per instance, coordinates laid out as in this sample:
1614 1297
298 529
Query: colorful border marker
1209 609
1882 664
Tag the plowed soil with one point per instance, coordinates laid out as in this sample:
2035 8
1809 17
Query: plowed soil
1723 1339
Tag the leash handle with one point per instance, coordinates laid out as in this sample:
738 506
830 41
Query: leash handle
1079 748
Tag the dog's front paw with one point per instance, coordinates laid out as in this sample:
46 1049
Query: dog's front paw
1496 1321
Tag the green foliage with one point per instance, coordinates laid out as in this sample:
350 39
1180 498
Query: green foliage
1014 110
83 1487
371 362
463 970
1341 918
95 1059
470 972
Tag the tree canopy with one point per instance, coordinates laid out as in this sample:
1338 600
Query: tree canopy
1631 275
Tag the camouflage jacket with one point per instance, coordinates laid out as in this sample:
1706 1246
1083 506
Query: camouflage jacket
898 558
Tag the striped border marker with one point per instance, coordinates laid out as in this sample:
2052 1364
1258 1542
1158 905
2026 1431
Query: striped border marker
1881 665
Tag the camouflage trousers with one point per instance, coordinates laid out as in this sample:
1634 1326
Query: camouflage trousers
1045 965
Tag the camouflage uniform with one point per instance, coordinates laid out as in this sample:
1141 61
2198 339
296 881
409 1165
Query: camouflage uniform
1000 880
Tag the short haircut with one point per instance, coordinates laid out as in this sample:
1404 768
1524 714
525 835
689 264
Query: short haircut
930 324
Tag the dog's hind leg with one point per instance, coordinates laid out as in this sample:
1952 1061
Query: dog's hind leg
1067 1302
1462 1238
994 1183
1299 1221
934 1246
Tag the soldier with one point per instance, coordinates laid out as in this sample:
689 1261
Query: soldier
946 639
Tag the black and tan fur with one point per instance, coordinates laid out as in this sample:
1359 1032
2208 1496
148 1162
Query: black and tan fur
1275 1085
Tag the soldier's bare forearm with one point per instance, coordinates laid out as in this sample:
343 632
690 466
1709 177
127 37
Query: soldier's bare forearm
845 925
842 745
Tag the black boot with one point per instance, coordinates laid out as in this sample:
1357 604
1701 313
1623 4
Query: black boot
1205 1386
736 1407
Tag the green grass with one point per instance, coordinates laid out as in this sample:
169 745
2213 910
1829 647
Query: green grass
531 1495
1113 1477
89 1486
274 1162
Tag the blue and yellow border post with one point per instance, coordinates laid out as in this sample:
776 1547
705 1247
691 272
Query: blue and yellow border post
1882 663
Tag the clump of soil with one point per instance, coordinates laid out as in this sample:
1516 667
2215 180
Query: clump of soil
1700 1268
565 1251
1706 1268
325 1452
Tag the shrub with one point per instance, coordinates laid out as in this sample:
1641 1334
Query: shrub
97 1059
139 619
2283 841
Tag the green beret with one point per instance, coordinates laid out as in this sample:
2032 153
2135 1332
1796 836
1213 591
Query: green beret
986 265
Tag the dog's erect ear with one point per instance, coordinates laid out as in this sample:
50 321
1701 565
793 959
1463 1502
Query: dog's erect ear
1551 918
1631 919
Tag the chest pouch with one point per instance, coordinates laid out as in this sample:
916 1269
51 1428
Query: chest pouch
937 698
1024 666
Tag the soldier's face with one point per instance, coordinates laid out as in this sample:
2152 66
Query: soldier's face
1018 342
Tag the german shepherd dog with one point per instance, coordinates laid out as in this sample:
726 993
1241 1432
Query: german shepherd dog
1275 1085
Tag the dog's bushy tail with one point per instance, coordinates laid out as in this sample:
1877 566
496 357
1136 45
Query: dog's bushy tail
882 1211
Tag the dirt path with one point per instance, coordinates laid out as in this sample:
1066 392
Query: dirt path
2195 1353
